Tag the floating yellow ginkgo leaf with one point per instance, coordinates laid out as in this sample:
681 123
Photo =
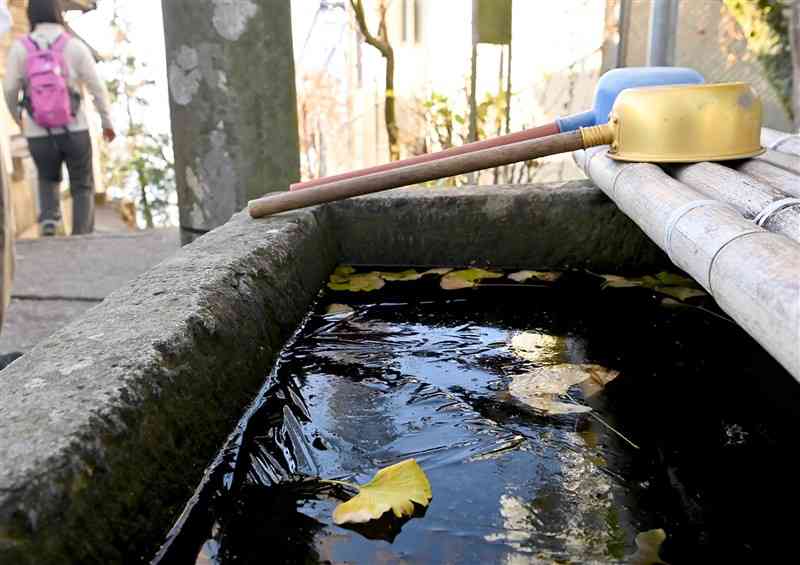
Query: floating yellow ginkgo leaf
548 404
407 275
438 271
522 276
540 388
342 273
356 282
466 278
345 277
616 281
394 488
680 292
673 285
336 309
648 547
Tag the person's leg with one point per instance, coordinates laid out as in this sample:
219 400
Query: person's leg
48 160
77 147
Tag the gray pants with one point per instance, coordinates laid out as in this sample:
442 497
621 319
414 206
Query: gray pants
49 154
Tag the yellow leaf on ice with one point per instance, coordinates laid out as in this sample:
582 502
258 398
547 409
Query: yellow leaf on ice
394 488
355 283
522 276
673 285
671 279
680 292
342 273
615 281
408 275
540 388
548 404
335 309
599 377
648 546
466 278
438 271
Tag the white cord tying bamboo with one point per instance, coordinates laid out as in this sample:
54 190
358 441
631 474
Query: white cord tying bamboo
753 274
754 199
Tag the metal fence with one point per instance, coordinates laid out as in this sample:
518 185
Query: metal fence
707 41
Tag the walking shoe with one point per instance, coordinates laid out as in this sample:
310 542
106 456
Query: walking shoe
48 228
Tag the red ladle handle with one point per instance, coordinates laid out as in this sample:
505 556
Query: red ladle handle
524 135
414 174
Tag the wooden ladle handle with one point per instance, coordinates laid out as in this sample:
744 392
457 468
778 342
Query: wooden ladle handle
415 174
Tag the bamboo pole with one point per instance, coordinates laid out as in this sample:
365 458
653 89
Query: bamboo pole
751 272
780 178
780 159
755 200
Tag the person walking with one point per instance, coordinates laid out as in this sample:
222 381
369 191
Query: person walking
53 70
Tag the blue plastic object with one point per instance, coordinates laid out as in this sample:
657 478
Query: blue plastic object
615 81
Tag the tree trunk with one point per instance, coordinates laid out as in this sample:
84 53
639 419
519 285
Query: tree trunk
390 111
381 43
148 213
473 95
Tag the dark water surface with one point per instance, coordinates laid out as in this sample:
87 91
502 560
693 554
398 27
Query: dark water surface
419 372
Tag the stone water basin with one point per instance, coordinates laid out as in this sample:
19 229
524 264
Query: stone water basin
111 425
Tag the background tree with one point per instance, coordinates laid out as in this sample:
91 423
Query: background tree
765 27
381 43
445 126
320 110
143 168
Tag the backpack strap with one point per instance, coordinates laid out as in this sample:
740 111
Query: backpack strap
30 45
61 42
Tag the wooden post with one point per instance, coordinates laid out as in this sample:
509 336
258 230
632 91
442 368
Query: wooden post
233 105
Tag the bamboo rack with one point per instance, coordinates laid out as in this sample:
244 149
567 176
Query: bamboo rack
706 218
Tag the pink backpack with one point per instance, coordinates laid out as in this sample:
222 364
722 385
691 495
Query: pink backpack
48 98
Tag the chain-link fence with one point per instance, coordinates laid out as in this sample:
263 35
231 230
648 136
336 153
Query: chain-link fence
709 40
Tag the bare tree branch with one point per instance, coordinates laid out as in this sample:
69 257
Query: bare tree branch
381 43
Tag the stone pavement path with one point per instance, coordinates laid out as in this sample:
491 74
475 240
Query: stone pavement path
58 279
